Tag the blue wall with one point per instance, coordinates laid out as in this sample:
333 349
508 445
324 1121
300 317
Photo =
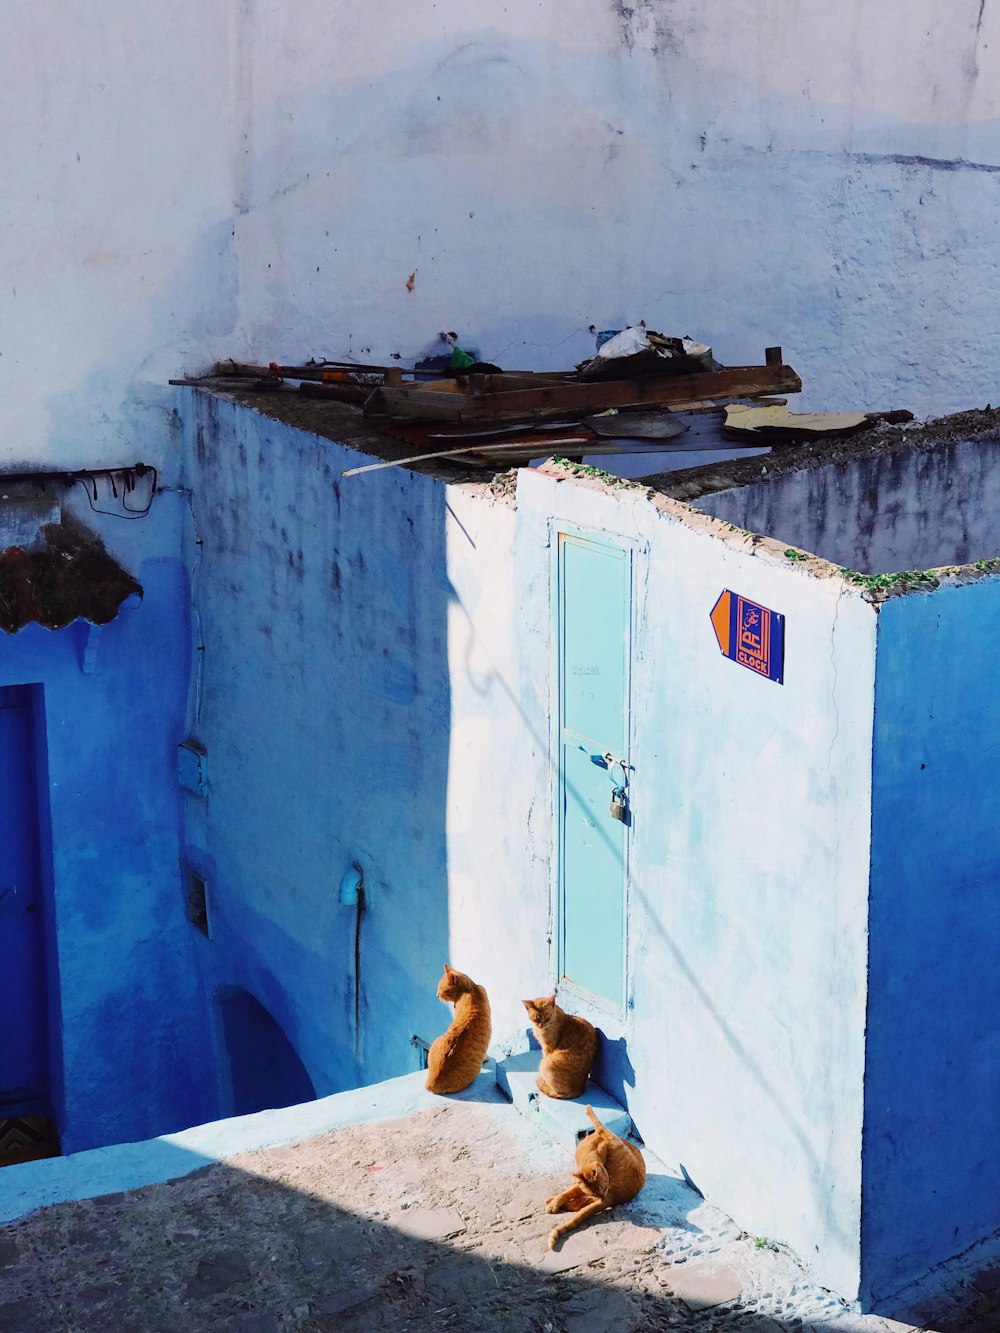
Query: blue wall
130 1046
931 1154
324 707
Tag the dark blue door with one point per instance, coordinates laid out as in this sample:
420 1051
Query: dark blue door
23 994
594 631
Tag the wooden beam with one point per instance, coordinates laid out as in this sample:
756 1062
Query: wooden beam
557 400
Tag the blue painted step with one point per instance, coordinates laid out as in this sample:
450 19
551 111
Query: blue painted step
567 1120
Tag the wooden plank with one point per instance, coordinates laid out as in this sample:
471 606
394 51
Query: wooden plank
557 400
523 450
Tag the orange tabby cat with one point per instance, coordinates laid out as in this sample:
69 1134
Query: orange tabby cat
609 1170
455 1059
568 1047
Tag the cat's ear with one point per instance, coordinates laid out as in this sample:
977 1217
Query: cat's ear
449 971
549 1001
528 1004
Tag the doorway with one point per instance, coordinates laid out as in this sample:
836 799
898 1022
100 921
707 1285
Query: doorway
25 1130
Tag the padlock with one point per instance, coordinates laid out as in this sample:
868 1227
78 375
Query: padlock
619 810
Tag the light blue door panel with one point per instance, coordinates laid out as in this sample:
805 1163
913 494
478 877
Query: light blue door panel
595 607
594 621
594 894
23 1055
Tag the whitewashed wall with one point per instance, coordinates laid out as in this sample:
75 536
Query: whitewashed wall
238 177
116 249
748 869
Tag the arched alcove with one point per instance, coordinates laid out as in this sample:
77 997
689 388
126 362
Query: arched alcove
264 1066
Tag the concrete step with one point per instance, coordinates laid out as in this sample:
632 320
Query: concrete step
566 1121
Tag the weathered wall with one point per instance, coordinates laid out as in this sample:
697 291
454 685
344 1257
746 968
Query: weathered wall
130 1044
355 685
932 1077
234 179
913 509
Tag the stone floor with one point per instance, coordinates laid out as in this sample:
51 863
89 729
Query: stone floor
432 1222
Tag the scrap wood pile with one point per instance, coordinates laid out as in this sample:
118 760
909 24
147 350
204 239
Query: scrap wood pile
628 398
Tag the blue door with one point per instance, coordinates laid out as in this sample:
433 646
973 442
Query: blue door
594 591
23 994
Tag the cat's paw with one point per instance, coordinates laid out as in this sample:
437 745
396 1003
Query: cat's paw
553 1237
549 1204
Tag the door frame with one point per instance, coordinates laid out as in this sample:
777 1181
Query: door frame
610 1014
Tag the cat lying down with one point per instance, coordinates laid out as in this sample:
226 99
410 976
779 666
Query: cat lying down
609 1170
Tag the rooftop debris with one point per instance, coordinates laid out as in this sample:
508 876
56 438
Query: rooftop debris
529 400
626 399
638 351
779 426
68 576
662 425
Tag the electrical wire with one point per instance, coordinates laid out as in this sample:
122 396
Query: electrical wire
128 475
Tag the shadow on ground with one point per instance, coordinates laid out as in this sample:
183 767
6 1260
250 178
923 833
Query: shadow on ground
224 1249
431 1221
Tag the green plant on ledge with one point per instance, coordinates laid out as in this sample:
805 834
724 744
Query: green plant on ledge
905 579
586 470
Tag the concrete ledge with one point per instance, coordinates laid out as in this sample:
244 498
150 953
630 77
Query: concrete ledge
566 1121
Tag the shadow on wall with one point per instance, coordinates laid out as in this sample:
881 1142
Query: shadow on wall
613 1068
264 1068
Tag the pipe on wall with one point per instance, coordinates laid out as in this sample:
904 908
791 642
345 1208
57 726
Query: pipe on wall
351 893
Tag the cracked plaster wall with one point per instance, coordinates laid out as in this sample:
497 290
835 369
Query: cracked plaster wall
229 180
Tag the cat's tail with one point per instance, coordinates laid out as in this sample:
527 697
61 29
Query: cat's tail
601 1129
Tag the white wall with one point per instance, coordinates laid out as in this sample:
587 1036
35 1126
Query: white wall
748 871
116 244
239 177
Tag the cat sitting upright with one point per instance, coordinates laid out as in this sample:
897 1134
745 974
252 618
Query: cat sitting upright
455 1059
568 1045
610 1170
